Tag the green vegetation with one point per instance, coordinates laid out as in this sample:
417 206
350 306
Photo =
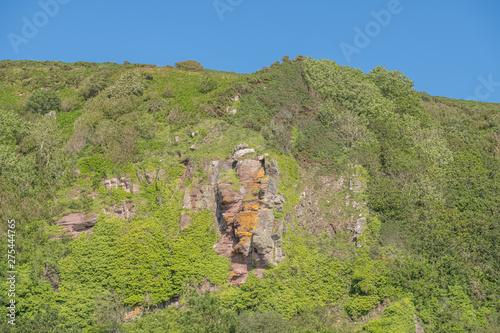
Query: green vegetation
189 65
42 101
131 138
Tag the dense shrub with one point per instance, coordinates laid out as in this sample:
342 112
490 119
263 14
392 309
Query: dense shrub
42 101
397 318
177 115
264 322
204 314
168 92
69 104
128 84
121 145
189 65
208 84
94 84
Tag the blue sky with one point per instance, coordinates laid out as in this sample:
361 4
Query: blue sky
448 48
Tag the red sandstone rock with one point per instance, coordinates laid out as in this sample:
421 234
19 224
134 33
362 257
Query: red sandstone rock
76 223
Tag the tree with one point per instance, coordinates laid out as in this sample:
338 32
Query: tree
204 313
42 101
189 65
94 84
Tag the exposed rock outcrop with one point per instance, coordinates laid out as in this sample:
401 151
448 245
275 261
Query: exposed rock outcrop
201 197
249 234
325 199
123 182
240 153
125 210
76 223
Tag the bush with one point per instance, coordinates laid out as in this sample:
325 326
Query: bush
398 318
121 146
168 92
93 85
189 65
95 166
128 84
42 101
69 105
177 115
112 107
208 84
204 313
266 322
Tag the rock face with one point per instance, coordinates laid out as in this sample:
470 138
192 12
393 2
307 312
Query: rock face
76 223
249 234
125 210
123 182
200 197
323 199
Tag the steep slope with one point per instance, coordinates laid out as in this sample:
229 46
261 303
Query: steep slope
306 196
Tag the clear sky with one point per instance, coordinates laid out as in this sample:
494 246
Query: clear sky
447 47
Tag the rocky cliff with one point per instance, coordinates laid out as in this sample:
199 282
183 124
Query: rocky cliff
250 236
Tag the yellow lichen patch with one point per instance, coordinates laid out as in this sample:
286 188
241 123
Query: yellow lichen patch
243 233
256 207
257 174
131 315
245 240
229 219
246 221
254 186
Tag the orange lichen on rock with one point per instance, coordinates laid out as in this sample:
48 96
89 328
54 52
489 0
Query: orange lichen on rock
243 233
257 174
244 244
246 221
131 315
254 186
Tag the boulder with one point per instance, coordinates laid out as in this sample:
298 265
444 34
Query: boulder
263 243
76 223
240 153
240 147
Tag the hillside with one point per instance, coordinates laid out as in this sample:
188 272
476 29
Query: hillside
305 197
